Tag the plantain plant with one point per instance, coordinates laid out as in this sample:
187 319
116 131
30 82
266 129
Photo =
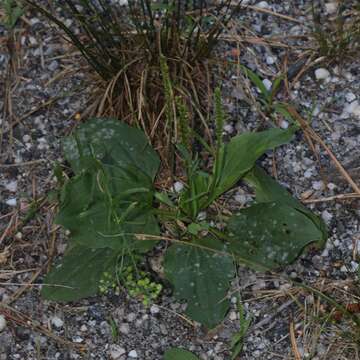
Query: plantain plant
114 213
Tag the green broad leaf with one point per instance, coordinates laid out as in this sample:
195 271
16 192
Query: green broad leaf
193 270
110 141
79 273
102 210
271 234
108 203
269 190
242 152
179 354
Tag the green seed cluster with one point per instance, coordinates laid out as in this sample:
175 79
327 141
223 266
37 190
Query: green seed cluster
219 117
184 123
108 284
137 283
140 286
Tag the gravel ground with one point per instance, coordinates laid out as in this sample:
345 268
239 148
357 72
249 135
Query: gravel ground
48 93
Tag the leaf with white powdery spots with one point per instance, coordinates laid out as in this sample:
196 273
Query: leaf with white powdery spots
110 141
194 272
271 234
79 273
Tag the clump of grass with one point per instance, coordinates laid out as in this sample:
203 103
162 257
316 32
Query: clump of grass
127 46
338 35
11 13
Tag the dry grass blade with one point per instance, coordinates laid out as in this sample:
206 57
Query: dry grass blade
308 130
25 287
351 196
294 346
21 319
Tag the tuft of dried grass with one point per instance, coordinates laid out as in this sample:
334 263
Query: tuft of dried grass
124 46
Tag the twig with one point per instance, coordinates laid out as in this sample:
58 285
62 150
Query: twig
24 287
177 314
270 318
21 319
31 112
310 131
351 196
25 163
273 13
253 40
294 346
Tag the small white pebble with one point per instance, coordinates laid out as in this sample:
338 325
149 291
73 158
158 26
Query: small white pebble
154 309
131 317
178 186
331 186
263 5
11 202
354 266
318 185
270 60
350 97
133 354
336 243
201 216
32 40
349 76
124 328
83 328
331 7
326 216
78 339
322 74
232 316
353 108
343 268
325 253
26 138
57 322
241 198
11 186
34 21
284 124
228 128
308 173
116 352
267 83
2 323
